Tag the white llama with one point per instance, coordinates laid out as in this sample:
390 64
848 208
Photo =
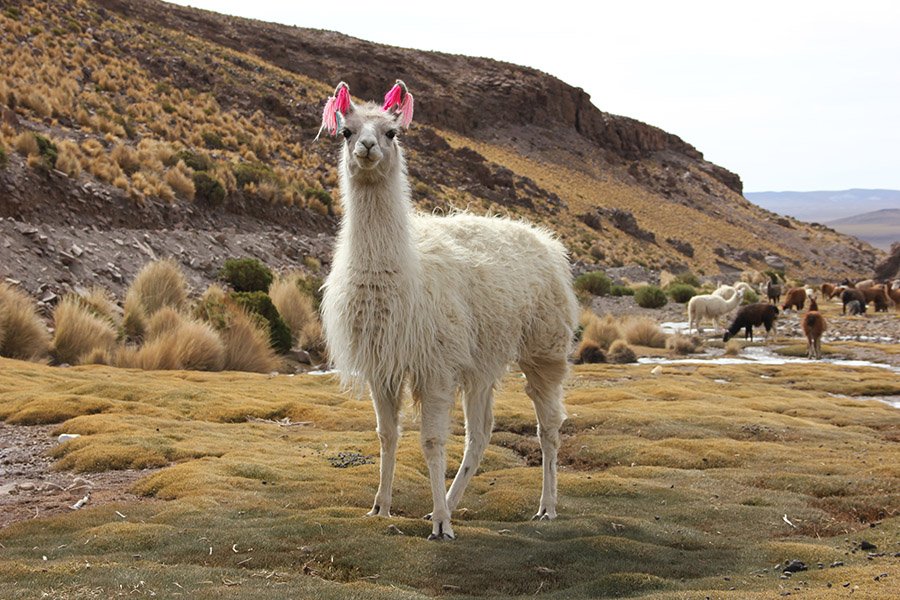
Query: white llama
439 305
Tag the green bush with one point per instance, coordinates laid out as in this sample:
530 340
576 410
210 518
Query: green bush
321 195
245 173
47 150
311 286
650 296
681 292
261 304
621 290
194 160
208 190
750 297
687 278
596 283
212 140
246 275
3 158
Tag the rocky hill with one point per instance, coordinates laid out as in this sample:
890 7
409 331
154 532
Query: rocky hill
881 228
133 129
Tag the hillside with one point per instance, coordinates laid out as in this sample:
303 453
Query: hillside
826 206
881 228
133 129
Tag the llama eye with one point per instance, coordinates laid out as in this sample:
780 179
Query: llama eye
391 133
347 133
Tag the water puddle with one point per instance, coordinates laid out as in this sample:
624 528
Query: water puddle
760 355
889 400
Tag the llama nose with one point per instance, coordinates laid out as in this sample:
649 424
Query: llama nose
368 144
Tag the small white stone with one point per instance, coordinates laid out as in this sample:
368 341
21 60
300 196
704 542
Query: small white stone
65 437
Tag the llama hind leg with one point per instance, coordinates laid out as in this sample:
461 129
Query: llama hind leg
478 407
545 390
387 414
435 428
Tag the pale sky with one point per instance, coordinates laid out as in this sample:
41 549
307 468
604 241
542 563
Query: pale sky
791 95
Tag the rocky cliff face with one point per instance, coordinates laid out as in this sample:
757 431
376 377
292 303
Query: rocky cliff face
464 94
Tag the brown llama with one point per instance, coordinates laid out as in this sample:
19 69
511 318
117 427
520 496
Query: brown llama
814 326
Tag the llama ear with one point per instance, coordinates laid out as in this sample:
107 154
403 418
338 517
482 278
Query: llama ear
336 107
398 100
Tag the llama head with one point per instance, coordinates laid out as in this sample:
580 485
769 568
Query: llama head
371 148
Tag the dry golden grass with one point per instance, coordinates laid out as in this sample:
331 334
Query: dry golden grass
684 344
175 342
23 334
247 344
621 352
26 144
733 347
297 310
159 284
671 488
180 181
643 331
79 332
602 332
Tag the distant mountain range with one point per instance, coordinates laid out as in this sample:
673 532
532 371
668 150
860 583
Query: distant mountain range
825 206
880 228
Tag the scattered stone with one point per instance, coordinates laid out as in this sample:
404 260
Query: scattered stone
394 530
26 486
65 437
342 460
794 566
866 545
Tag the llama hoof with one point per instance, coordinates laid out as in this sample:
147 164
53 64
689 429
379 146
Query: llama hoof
442 531
544 515
377 511
427 517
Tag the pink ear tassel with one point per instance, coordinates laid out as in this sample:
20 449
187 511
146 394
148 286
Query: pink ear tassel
406 111
392 98
338 103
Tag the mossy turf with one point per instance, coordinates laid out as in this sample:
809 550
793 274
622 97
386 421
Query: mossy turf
671 486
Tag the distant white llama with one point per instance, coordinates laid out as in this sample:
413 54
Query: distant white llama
711 306
439 305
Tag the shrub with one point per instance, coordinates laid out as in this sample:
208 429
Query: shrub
650 296
3 157
174 342
46 150
621 290
181 182
196 161
255 173
23 334
602 332
246 275
642 331
687 278
212 140
683 344
261 304
621 352
750 297
79 333
127 158
247 344
589 353
596 283
159 284
322 196
297 310
208 190
681 292
26 144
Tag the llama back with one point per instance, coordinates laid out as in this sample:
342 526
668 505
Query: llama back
512 278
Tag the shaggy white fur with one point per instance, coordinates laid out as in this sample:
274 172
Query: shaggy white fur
711 306
441 305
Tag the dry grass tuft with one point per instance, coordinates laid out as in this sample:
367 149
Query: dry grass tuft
159 284
621 352
589 353
79 332
179 179
602 332
643 331
26 144
733 347
683 344
176 342
298 311
23 334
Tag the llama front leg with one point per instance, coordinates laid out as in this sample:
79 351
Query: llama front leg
478 408
387 414
435 428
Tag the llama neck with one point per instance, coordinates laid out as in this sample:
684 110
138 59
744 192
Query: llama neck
376 225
